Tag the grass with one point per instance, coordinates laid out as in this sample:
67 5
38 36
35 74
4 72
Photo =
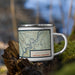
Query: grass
68 69
69 54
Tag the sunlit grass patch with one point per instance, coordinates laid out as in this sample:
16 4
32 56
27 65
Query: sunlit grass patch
3 69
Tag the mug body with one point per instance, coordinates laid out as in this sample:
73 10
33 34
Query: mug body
36 42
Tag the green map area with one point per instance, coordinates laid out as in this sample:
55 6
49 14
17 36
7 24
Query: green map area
33 40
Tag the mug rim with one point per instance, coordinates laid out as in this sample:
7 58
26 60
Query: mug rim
36 25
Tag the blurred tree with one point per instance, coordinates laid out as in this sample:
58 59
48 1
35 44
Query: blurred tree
12 8
37 14
72 36
69 17
51 19
62 14
4 3
61 5
20 3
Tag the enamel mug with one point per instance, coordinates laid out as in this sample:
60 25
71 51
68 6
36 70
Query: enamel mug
36 42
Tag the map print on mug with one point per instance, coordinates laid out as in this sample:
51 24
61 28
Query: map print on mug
35 43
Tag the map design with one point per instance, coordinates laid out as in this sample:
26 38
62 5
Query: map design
33 40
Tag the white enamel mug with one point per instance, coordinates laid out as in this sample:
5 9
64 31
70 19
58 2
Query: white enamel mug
36 42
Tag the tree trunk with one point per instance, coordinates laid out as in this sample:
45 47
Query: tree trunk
18 66
15 65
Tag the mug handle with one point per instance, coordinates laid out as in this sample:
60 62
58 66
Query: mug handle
59 34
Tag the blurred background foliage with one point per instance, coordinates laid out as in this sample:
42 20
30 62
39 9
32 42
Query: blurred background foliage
68 69
69 54
59 12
